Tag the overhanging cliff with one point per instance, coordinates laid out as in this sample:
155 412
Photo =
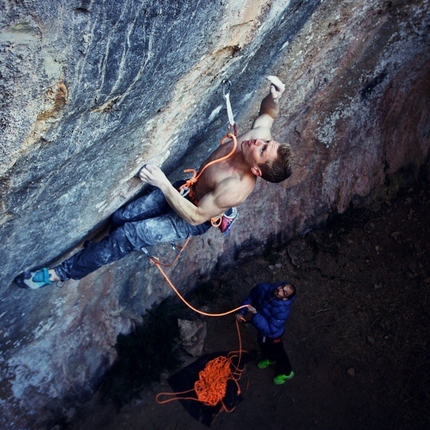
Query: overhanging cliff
91 90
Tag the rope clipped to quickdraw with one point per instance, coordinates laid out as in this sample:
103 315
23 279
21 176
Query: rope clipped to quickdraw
211 387
186 188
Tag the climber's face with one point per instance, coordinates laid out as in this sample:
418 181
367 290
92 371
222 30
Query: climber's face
258 151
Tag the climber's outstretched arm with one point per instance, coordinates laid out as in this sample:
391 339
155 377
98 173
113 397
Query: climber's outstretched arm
269 108
226 195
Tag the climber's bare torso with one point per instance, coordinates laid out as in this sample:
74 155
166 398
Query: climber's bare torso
228 183
231 181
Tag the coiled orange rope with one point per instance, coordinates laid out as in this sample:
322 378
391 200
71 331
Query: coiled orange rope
211 386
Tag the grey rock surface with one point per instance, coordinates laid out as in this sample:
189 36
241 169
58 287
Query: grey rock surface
91 90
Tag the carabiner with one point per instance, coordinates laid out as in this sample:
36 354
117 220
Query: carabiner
184 191
226 86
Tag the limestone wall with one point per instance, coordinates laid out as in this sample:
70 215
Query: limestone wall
90 90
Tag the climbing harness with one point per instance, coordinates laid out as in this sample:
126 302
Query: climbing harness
186 189
210 389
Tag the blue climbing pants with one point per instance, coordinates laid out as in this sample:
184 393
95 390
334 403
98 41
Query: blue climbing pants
143 222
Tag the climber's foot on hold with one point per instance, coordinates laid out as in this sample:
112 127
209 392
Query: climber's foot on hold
35 280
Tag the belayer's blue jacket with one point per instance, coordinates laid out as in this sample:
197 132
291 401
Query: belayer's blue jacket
272 313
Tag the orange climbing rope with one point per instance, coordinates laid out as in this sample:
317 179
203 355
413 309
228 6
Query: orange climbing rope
186 189
157 263
211 386
191 181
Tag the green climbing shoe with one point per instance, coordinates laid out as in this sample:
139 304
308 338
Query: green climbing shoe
280 379
264 364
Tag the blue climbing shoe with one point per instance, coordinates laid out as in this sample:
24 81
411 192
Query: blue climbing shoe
33 280
280 379
264 364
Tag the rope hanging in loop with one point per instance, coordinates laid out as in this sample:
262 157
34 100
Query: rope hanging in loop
156 263
185 189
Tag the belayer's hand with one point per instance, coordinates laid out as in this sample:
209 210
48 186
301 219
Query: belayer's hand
240 318
277 87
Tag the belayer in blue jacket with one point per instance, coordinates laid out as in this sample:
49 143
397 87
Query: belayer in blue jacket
269 307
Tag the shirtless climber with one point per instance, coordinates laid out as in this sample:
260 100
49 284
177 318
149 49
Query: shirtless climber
164 215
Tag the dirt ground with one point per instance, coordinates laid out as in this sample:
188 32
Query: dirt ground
358 335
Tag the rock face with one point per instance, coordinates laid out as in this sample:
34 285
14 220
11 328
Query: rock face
91 90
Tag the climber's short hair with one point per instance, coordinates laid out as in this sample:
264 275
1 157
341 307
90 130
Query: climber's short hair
280 169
